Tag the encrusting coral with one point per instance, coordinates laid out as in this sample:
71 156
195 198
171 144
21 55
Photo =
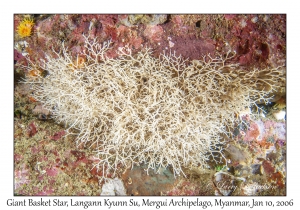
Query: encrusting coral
136 109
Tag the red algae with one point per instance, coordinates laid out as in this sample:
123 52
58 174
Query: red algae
31 130
58 135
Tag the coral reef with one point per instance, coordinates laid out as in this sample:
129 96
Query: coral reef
136 109
47 161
